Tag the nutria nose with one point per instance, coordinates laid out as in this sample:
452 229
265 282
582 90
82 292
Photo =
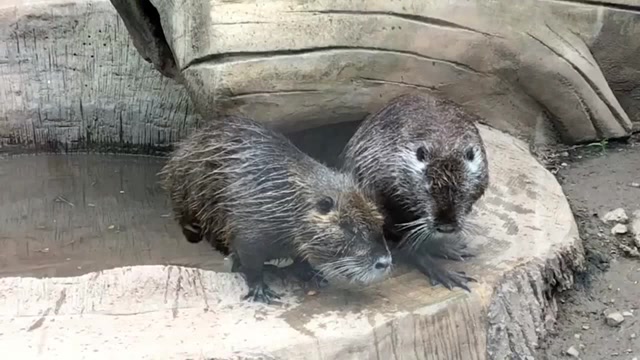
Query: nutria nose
383 263
446 228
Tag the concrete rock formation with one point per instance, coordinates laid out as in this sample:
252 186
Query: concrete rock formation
118 280
70 78
533 69
73 73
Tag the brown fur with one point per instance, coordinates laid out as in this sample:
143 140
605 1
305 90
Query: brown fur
424 158
250 192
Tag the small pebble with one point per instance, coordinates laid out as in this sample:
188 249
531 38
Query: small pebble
311 292
618 215
627 314
111 227
582 346
565 153
614 319
121 191
632 336
619 229
564 164
585 327
635 185
572 351
577 336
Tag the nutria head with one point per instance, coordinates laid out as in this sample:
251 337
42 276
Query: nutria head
343 238
440 183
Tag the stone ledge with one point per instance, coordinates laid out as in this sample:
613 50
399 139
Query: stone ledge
528 247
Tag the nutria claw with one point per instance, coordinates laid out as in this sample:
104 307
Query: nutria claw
261 293
455 250
446 278
437 274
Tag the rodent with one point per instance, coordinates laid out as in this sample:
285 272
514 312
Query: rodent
253 194
424 158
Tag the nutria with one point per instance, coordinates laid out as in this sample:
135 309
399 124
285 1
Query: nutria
424 158
250 192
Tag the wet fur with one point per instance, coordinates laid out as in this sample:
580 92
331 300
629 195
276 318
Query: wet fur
422 189
251 193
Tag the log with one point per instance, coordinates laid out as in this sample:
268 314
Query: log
71 79
119 281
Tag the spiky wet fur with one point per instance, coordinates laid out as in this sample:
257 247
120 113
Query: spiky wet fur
419 193
250 192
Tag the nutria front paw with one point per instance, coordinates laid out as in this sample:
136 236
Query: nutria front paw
449 279
439 275
456 250
261 293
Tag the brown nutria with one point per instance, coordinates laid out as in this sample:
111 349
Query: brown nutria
251 193
424 158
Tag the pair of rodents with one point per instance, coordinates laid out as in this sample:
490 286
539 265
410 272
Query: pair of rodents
414 170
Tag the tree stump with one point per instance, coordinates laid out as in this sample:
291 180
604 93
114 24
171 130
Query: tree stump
188 307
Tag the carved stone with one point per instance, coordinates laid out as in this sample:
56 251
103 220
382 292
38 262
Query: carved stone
527 69
106 97
70 78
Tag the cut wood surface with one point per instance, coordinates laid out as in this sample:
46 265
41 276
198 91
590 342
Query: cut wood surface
90 272
70 78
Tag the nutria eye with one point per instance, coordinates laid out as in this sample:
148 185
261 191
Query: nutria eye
470 154
421 154
325 205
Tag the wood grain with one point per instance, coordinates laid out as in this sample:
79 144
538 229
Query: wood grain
70 78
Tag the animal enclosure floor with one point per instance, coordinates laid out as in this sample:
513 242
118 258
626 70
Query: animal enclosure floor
66 215
597 182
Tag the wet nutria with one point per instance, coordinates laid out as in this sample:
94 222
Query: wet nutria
424 158
250 192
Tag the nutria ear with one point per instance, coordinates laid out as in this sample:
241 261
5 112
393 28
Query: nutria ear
470 154
325 204
421 153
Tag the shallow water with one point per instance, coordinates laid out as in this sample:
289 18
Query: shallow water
64 215
71 214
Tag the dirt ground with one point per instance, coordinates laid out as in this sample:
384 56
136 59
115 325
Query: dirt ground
598 179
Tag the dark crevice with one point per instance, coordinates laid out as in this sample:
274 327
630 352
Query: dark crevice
616 114
275 92
410 17
261 55
143 23
570 44
398 83
614 6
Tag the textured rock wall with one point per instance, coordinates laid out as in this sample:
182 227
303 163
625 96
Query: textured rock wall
75 75
70 78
